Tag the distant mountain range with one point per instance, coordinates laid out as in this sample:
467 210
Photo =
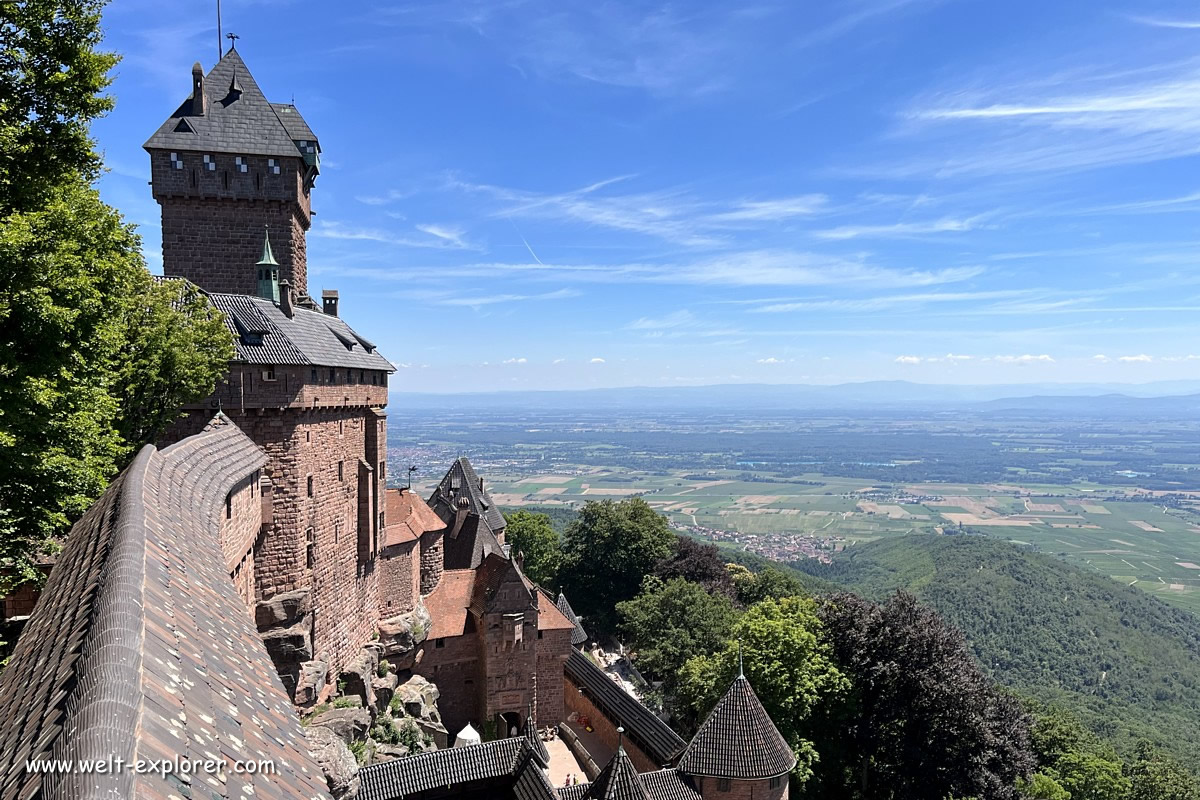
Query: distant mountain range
1158 398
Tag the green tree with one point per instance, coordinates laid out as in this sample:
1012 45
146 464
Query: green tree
1088 776
787 662
533 536
606 553
921 721
699 563
51 77
1043 787
1154 775
671 622
769 583
95 358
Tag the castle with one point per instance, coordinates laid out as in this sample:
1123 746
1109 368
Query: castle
255 565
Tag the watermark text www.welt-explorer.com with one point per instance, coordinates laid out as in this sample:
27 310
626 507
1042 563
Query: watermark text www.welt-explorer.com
165 766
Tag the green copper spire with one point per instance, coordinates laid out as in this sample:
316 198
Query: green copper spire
268 270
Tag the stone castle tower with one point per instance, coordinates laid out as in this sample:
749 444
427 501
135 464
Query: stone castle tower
225 164
234 175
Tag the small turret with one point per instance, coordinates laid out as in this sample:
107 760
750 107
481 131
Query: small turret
199 101
268 270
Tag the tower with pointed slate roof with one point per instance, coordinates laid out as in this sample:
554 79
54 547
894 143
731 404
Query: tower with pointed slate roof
738 752
223 165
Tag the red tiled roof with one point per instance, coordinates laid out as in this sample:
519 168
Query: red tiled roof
549 617
407 517
448 603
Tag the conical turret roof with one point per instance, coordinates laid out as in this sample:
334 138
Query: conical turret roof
617 781
738 740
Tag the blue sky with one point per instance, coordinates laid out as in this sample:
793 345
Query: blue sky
556 194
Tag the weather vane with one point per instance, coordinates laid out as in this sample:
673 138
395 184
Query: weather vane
232 37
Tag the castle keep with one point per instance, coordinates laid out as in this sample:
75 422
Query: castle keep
254 567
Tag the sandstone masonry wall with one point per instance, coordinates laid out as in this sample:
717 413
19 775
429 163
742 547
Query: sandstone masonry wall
553 647
604 727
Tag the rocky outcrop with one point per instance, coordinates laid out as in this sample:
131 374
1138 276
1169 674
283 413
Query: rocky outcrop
356 679
385 689
400 635
336 761
419 698
348 724
310 683
285 625
282 609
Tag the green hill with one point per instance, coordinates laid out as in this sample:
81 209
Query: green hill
1125 662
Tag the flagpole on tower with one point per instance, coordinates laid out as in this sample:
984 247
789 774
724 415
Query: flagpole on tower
219 36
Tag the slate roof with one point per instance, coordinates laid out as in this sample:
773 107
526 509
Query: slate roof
580 635
407 517
141 648
494 572
510 763
471 545
462 480
263 334
653 736
665 784
617 781
244 123
738 740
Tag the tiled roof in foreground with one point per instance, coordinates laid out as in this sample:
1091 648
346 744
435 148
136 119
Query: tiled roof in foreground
141 648
653 736
579 635
738 740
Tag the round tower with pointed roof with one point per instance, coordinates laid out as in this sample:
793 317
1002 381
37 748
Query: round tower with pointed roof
738 753
223 165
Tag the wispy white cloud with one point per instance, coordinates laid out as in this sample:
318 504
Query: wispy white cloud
1101 358
1024 359
437 237
451 235
884 302
442 298
675 319
1141 358
908 359
898 229
596 361
1183 24
390 196
514 361
771 210
772 360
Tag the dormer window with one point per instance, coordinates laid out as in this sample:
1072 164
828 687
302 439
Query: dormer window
176 161
210 163
273 165
241 164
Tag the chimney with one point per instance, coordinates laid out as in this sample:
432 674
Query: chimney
329 301
286 299
199 101
460 516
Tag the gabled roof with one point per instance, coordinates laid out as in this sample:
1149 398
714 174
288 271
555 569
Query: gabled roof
642 726
617 781
449 602
471 545
141 647
508 763
550 618
233 122
494 573
462 481
738 740
580 635
263 334
407 517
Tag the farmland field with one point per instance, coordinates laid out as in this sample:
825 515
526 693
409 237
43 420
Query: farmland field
797 489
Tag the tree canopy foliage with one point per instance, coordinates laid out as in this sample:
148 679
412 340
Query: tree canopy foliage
95 356
532 535
700 563
671 622
787 660
606 553
1124 662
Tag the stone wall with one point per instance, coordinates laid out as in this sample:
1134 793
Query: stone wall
240 527
710 789
213 215
553 647
399 579
604 727
432 560
454 667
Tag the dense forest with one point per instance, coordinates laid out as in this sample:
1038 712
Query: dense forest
1123 661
